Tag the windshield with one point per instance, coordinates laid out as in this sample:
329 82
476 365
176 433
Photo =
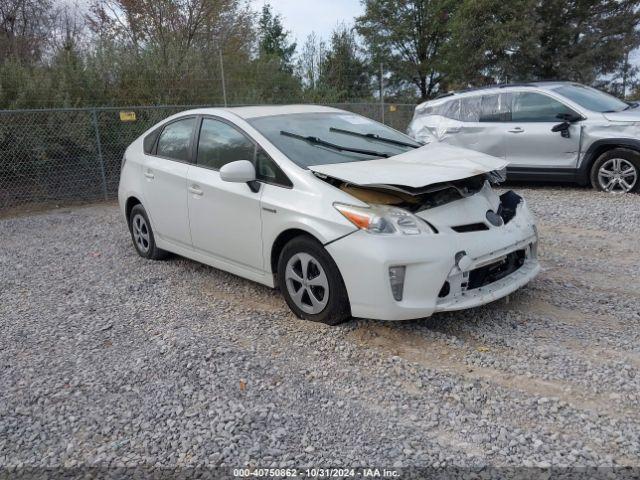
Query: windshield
330 127
592 99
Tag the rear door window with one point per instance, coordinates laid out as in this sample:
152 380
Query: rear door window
496 107
470 109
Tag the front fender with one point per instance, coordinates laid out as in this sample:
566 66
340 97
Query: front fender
598 145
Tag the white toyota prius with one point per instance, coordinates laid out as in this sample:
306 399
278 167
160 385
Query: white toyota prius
346 216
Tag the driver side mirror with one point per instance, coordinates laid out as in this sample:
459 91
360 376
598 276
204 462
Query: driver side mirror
240 171
569 117
563 128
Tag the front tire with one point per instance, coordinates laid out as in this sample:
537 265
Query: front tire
311 283
142 235
617 171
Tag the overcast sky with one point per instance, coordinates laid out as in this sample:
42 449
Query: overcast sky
301 17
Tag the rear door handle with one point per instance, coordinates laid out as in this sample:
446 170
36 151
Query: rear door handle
149 175
195 189
517 130
452 130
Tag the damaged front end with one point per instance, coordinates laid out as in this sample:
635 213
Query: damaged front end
424 178
490 277
447 239
501 256
417 199
493 237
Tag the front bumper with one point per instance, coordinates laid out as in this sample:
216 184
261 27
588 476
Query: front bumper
460 298
364 260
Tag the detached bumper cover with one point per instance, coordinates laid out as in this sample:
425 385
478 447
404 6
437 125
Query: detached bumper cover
460 298
364 260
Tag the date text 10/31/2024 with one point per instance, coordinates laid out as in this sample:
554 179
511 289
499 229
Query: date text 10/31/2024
316 472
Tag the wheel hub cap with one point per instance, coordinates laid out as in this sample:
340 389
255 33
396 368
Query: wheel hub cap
617 175
140 233
307 283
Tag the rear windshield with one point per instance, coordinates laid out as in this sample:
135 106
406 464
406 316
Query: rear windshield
319 125
592 99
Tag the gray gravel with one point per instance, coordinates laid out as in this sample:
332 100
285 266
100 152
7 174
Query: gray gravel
108 359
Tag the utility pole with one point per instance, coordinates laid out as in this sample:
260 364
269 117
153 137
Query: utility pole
381 93
625 72
224 86
96 128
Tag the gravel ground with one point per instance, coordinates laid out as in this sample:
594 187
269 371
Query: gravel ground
108 359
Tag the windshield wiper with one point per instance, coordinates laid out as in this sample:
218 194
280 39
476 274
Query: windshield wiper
374 136
324 143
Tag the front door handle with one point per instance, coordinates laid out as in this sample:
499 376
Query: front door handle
195 189
149 175
452 130
517 130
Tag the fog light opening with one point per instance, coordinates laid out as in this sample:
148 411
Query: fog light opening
396 280
445 290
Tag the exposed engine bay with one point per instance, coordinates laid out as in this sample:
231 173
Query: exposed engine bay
415 199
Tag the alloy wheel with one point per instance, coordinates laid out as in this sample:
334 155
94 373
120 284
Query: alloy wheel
140 233
307 283
617 175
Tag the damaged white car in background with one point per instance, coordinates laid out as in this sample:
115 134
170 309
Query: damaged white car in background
550 131
347 216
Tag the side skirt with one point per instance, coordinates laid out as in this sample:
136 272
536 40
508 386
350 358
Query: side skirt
216 262
528 174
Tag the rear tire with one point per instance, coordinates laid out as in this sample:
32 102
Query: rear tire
142 235
311 283
617 171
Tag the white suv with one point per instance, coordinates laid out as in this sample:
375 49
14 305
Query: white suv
345 215
546 131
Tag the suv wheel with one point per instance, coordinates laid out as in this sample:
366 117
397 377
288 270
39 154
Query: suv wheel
311 283
142 235
617 171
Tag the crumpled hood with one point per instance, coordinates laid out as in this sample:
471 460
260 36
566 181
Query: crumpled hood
631 115
427 165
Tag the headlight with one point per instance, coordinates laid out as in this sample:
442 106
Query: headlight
383 219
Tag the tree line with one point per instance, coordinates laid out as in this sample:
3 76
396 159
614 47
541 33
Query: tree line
135 52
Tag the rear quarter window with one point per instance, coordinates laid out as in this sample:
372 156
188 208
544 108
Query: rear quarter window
149 141
175 140
426 110
451 109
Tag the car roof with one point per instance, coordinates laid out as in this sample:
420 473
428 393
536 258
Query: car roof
267 110
544 85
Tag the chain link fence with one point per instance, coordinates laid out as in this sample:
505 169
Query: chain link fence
74 155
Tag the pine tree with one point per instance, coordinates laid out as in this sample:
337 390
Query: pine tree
274 39
409 37
343 70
